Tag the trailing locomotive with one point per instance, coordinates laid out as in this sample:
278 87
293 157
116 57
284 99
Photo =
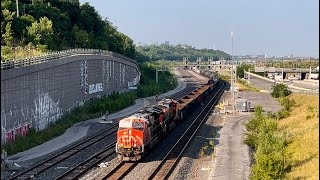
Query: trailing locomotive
142 130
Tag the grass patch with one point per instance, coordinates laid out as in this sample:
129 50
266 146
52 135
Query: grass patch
225 77
207 149
244 85
302 129
9 53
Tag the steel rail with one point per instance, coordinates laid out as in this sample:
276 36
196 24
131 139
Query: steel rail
53 160
89 163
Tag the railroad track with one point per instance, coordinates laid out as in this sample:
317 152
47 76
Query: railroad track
88 164
172 158
120 171
52 161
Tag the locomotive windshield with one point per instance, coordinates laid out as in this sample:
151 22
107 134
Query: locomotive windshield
128 124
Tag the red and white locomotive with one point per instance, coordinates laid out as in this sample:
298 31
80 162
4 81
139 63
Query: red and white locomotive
139 132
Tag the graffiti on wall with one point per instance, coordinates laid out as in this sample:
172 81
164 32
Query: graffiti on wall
134 82
106 73
84 76
124 74
21 131
94 88
15 123
46 111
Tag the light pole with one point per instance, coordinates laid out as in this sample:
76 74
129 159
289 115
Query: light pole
233 78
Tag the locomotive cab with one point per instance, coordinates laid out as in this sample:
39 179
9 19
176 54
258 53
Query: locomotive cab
131 135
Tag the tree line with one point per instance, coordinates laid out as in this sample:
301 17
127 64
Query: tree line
178 52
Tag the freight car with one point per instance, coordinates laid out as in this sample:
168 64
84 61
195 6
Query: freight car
141 131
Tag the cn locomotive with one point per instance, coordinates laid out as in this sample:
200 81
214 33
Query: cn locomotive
139 132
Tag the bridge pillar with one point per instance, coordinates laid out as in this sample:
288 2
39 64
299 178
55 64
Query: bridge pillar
198 62
284 75
185 62
210 62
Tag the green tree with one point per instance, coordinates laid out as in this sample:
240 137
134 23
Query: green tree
81 37
242 68
280 90
7 36
6 30
41 33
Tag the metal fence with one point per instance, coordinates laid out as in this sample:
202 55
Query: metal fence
310 92
16 63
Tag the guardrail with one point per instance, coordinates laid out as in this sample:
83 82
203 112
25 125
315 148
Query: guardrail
16 63
308 92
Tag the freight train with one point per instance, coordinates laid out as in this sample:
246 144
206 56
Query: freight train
138 133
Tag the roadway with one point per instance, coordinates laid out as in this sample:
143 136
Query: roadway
294 86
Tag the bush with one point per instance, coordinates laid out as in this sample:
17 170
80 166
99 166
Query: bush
287 103
269 156
280 90
282 114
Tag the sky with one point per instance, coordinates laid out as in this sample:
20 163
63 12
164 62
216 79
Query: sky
271 27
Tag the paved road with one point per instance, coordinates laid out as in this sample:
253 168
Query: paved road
262 84
232 160
295 86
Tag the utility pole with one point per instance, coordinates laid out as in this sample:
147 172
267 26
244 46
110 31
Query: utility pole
233 78
17 8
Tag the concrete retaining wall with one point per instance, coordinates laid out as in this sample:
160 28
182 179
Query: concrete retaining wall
36 95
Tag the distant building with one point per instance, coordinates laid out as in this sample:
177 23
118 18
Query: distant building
167 43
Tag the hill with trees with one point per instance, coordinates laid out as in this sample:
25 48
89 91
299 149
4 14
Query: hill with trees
51 25
178 52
